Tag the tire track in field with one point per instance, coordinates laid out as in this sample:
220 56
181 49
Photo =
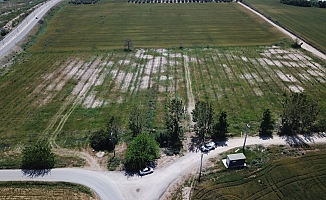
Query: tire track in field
87 78
190 95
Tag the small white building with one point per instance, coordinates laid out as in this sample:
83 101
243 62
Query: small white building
235 160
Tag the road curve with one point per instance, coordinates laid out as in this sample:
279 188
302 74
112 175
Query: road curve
115 185
24 27
102 185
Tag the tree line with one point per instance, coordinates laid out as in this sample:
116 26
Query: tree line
305 3
299 116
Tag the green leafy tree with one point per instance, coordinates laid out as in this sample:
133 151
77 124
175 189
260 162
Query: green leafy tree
267 124
299 113
173 118
221 127
38 157
203 118
106 139
141 151
136 121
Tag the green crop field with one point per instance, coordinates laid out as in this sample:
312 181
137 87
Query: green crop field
74 74
106 25
307 22
287 178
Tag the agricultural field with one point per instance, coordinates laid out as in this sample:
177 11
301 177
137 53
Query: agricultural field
73 75
289 174
43 190
307 22
63 96
107 24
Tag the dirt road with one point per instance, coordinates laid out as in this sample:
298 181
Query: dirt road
304 44
117 185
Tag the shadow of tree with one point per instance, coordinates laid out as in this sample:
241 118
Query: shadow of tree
295 141
263 137
193 146
222 143
33 173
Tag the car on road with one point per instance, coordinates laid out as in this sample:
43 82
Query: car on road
145 171
207 147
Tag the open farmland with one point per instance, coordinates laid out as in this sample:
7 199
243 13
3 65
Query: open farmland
307 22
286 178
107 24
62 96
44 190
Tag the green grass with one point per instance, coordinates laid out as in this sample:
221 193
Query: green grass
106 25
282 178
44 190
307 22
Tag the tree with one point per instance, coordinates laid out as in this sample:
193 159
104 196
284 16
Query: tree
221 127
299 113
106 139
38 157
136 122
128 44
203 117
141 152
174 112
267 124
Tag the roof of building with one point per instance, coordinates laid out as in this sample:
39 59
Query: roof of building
237 156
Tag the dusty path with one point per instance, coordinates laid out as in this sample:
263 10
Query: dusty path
191 99
304 44
117 185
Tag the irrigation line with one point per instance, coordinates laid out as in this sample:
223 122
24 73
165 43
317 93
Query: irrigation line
111 66
274 85
283 62
201 76
222 85
276 75
242 86
250 60
77 101
105 73
229 80
211 81
64 106
305 64
249 70
14 103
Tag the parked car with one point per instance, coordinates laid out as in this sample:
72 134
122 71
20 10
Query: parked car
145 171
323 134
207 147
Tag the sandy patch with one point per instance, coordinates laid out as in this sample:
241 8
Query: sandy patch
124 62
285 77
258 92
296 88
315 73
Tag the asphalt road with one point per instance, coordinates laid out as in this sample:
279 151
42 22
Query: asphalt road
116 185
24 27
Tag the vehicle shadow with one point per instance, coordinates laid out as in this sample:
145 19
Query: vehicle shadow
221 143
33 173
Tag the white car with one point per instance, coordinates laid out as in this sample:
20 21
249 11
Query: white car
208 146
145 171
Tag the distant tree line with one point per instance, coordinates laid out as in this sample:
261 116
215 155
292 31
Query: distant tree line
305 3
83 1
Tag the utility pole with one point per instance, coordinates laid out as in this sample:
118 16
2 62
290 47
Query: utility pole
201 165
244 144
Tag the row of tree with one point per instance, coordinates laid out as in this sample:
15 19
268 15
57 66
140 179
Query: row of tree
299 116
305 3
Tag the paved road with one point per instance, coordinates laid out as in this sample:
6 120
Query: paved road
24 27
115 185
